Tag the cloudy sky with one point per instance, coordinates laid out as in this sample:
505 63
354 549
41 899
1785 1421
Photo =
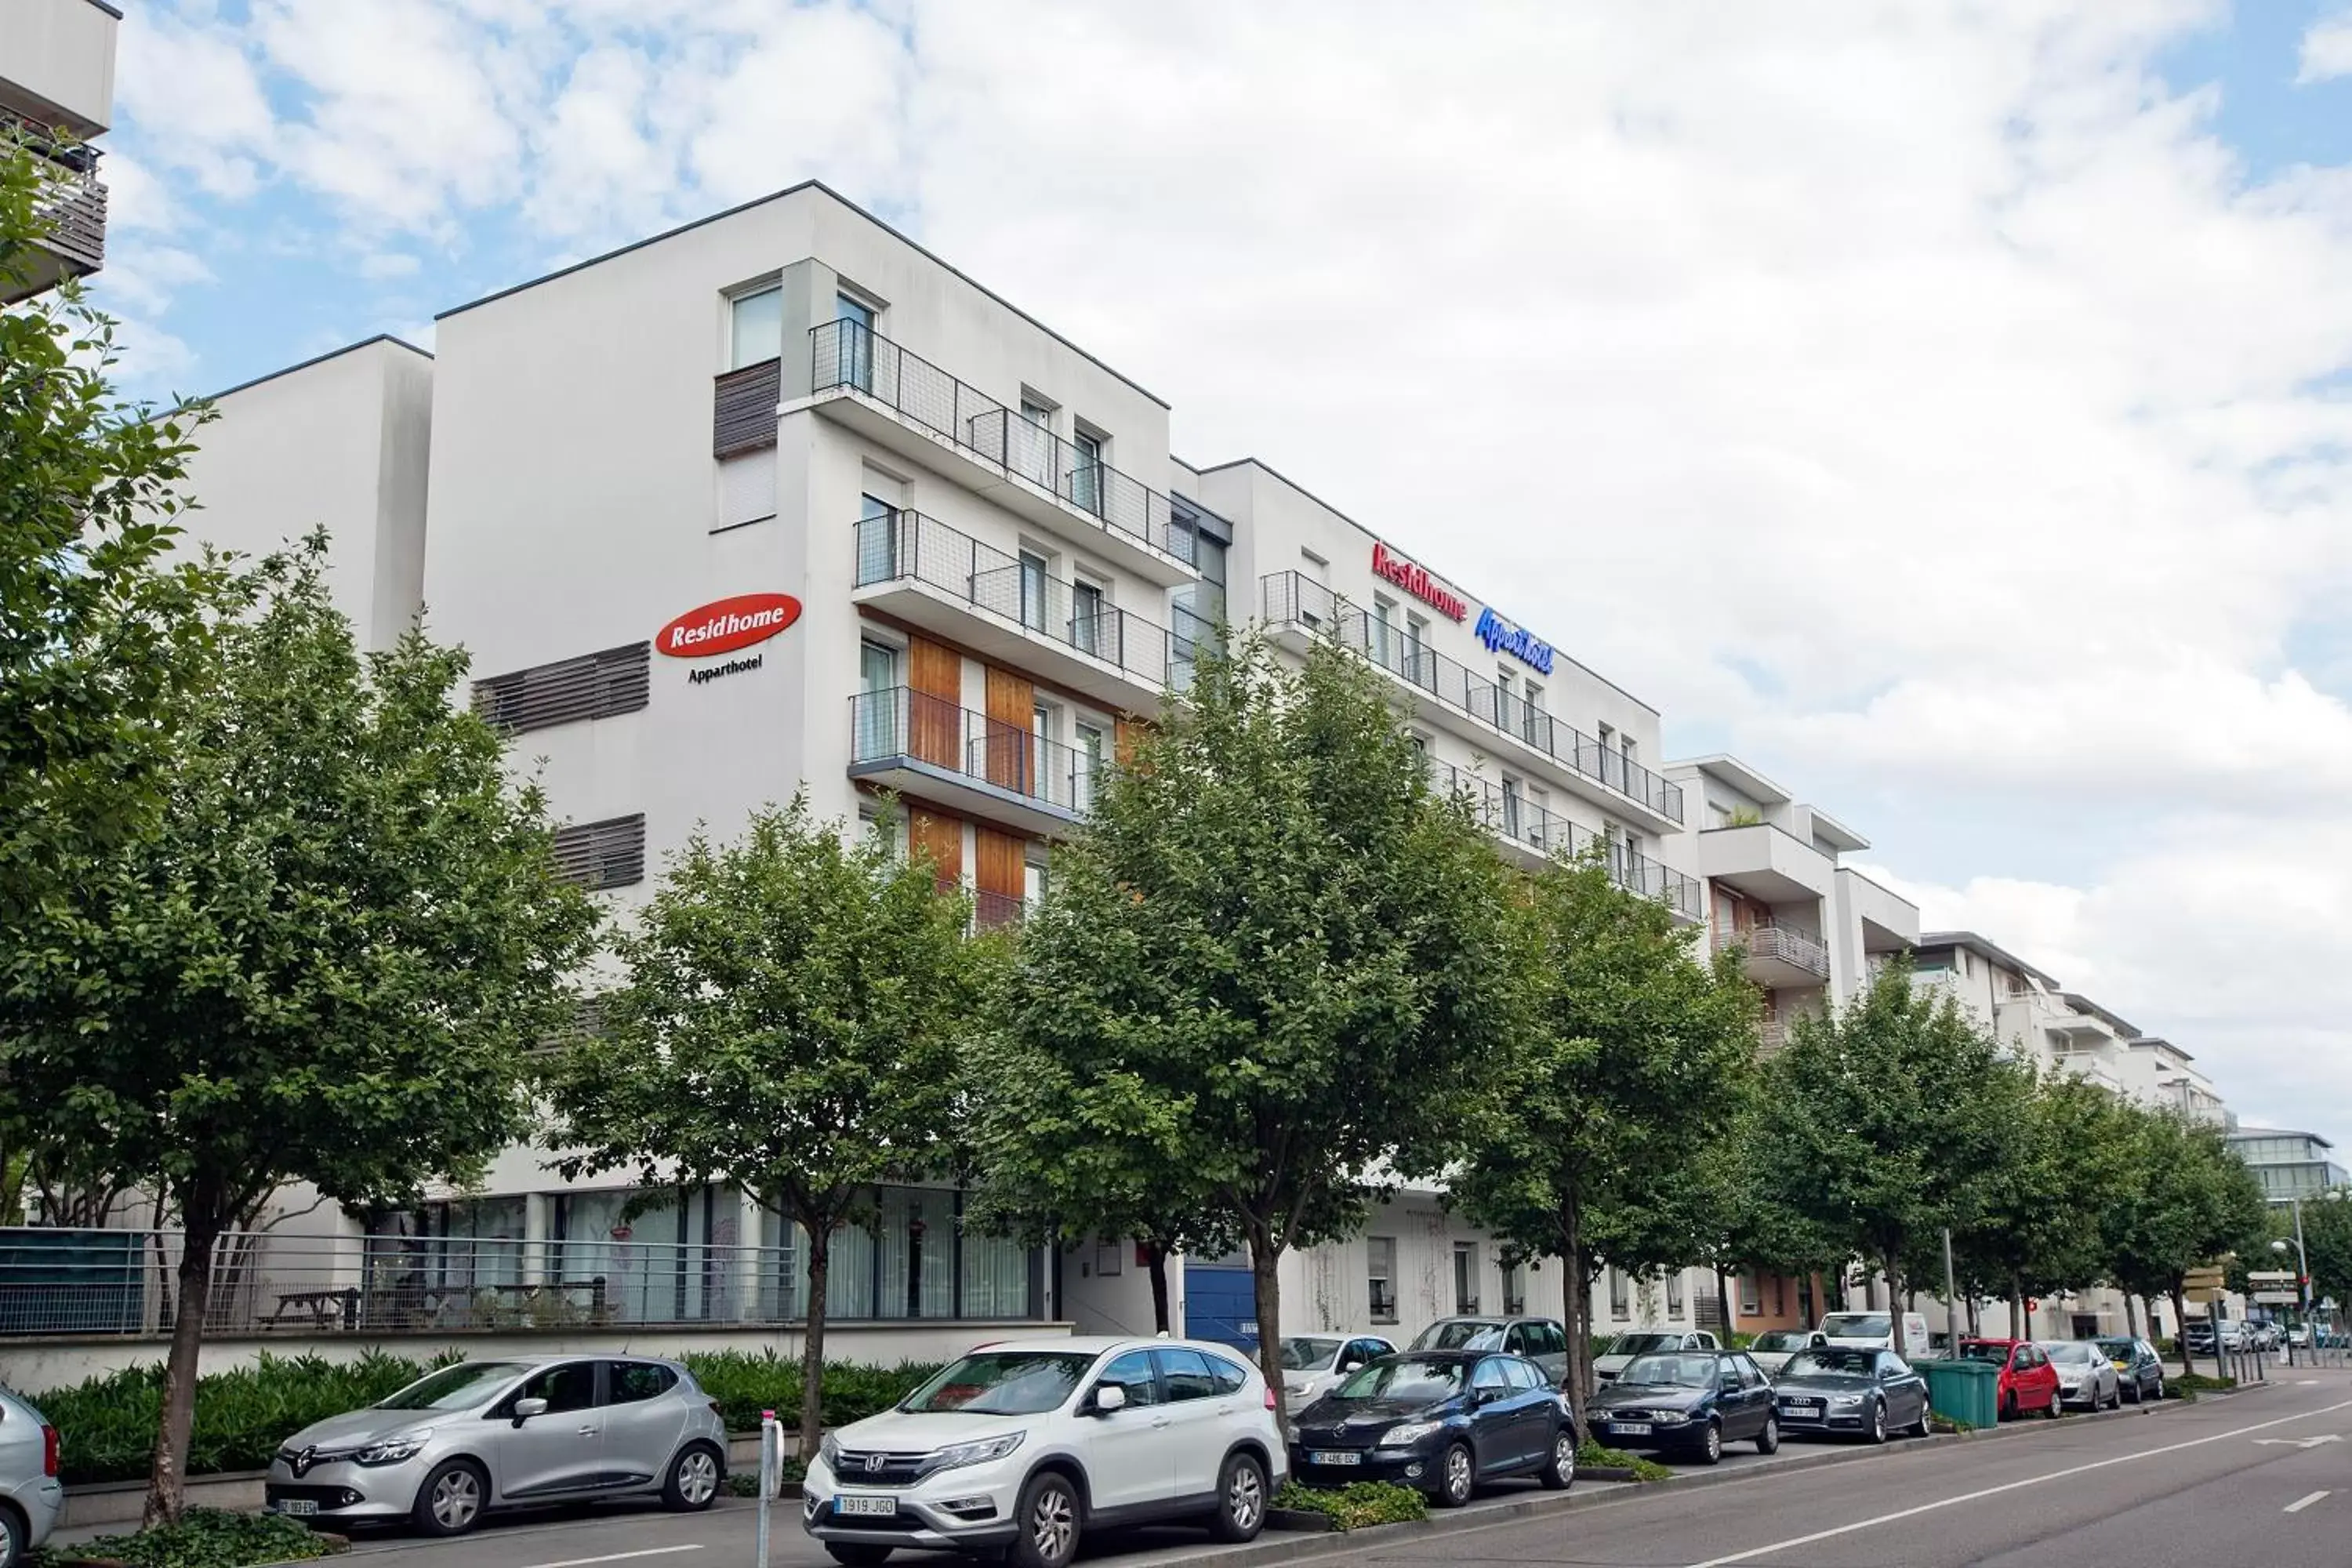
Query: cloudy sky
1948 407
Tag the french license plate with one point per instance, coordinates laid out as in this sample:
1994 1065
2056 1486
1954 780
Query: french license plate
295 1505
867 1506
1629 1428
1804 1405
1335 1457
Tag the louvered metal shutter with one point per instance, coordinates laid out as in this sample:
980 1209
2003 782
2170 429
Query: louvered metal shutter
743 408
593 686
608 854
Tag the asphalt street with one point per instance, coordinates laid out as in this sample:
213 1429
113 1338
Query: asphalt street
2264 1478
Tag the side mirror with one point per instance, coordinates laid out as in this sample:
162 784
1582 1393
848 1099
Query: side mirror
524 1409
1110 1397
1487 1395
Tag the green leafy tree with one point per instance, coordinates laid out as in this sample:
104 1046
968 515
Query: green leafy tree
2041 1230
1630 1064
2326 1244
1888 1121
789 1017
321 962
2187 1202
1273 969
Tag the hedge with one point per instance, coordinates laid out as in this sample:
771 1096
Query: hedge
107 1424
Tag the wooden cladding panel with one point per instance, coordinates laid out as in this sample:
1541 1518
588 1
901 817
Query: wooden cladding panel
941 837
998 863
1012 710
934 703
743 408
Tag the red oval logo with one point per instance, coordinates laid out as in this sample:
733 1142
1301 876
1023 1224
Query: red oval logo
725 625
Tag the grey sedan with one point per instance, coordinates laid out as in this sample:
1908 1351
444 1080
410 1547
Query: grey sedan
30 1496
1863 1393
2085 1376
512 1433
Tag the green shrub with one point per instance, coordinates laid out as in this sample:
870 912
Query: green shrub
1592 1456
1356 1505
746 1482
2186 1389
746 1383
205 1538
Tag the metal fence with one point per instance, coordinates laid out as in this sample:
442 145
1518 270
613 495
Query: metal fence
1509 814
899 726
1765 939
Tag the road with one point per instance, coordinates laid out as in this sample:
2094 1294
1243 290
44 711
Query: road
2263 1478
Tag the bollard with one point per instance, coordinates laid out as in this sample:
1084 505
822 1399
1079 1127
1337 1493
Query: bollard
771 1437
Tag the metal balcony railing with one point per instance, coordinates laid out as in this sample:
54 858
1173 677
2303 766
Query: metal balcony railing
1507 814
1291 599
899 725
1794 948
909 545
991 911
71 202
850 354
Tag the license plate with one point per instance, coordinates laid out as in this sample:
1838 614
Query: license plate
1806 1405
1336 1456
1630 1428
295 1505
867 1506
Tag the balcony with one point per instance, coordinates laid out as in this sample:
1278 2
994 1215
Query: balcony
1779 956
919 411
1532 834
928 747
71 204
921 570
1766 863
1447 692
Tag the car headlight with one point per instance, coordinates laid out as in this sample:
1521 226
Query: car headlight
1405 1434
978 1452
1671 1418
393 1450
828 1454
1290 1431
1845 1401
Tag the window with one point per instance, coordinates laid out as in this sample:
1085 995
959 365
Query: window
1086 629
1133 1372
1229 1378
1085 472
755 327
608 854
1379 1268
1620 1303
1524 1376
856 311
1674 1294
1465 1277
1379 632
1039 413
630 1381
1491 1373
1514 1291
1187 1374
570 1386
877 540
1091 750
872 820
747 488
1032 590
1420 664
877 724
1751 1297
593 686
853 340
1547 1339
1537 726
1033 893
1510 806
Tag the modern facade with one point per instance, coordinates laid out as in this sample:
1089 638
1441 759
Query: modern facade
57 93
2290 1165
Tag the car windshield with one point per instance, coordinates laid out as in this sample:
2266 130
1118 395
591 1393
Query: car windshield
1680 1371
1306 1353
1857 1325
459 1387
1782 1340
1837 1364
1460 1334
2126 1348
2070 1352
1406 1377
1004 1382
1978 1350
1642 1345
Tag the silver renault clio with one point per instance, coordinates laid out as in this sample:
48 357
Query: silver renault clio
524 1430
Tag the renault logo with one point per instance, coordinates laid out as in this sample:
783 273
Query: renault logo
875 1461
304 1460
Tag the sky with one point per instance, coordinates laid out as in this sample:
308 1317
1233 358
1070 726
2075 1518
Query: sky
1946 407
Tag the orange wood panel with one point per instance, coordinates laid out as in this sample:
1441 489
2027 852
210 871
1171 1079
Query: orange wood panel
941 837
935 703
1011 709
997 863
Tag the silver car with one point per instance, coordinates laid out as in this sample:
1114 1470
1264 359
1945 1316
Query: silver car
31 1496
512 1433
2085 1375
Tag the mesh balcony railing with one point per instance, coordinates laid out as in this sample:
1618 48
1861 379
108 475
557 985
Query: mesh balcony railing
1785 944
899 725
70 203
909 545
850 354
1509 814
1291 599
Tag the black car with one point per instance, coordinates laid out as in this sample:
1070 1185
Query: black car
1856 1393
1439 1421
1687 1402
2137 1367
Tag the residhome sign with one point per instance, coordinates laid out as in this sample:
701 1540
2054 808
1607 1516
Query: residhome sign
1414 579
725 625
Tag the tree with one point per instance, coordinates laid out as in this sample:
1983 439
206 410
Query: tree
2040 1230
2326 1244
321 962
789 1017
1273 968
2187 1202
1630 1068
1887 1123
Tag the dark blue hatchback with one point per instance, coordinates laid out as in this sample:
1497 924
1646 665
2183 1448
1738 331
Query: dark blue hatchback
1438 1421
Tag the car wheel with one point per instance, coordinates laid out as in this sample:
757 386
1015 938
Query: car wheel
2051 1412
450 1502
693 1480
1241 1500
1710 1451
12 1538
1559 1470
2008 1411
1768 1440
1047 1523
1920 1428
1458 1477
857 1554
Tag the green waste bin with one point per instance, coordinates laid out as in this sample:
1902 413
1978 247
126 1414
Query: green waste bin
1964 1391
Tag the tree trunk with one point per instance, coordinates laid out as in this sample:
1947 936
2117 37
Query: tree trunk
2131 1314
2018 1325
2180 1335
1895 1305
1265 1262
1576 1306
167 1493
813 1340
1156 1260
1722 1304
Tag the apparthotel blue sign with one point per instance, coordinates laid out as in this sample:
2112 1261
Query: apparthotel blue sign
1501 636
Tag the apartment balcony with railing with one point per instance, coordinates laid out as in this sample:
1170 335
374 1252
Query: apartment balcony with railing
1447 691
1533 833
1778 955
921 570
903 738
70 207
912 406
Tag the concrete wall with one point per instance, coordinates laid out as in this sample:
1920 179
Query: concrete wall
57 63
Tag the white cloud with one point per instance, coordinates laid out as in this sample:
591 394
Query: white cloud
383 264
2326 49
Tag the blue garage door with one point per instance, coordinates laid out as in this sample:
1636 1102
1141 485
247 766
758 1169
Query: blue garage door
1220 1303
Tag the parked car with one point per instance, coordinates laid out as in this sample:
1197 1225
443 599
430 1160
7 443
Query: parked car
1023 1449
2140 1371
2085 1376
2263 1336
1687 1402
2028 1381
1875 1330
1440 1421
1649 1341
1541 1340
1313 1365
30 1496
1864 1393
2199 1335
511 1433
1773 1348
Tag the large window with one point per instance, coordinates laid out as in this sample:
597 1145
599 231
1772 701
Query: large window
756 327
1380 1259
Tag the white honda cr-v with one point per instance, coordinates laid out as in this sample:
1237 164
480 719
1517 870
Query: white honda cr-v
1026 1446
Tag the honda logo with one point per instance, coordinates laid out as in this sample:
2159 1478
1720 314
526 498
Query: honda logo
874 1462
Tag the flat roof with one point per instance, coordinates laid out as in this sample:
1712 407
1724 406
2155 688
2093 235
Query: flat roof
2274 1132
1982 949
319 359
2082 1004
1838 833
2157 1042
1734 773
1381 539
819 185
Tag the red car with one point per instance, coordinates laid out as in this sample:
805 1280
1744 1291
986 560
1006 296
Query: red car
2028 1381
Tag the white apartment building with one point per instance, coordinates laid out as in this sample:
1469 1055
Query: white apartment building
57 93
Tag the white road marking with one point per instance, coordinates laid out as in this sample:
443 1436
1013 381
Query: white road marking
2298 1441
2299 1504
1756 1551
617 1557
2307 1383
